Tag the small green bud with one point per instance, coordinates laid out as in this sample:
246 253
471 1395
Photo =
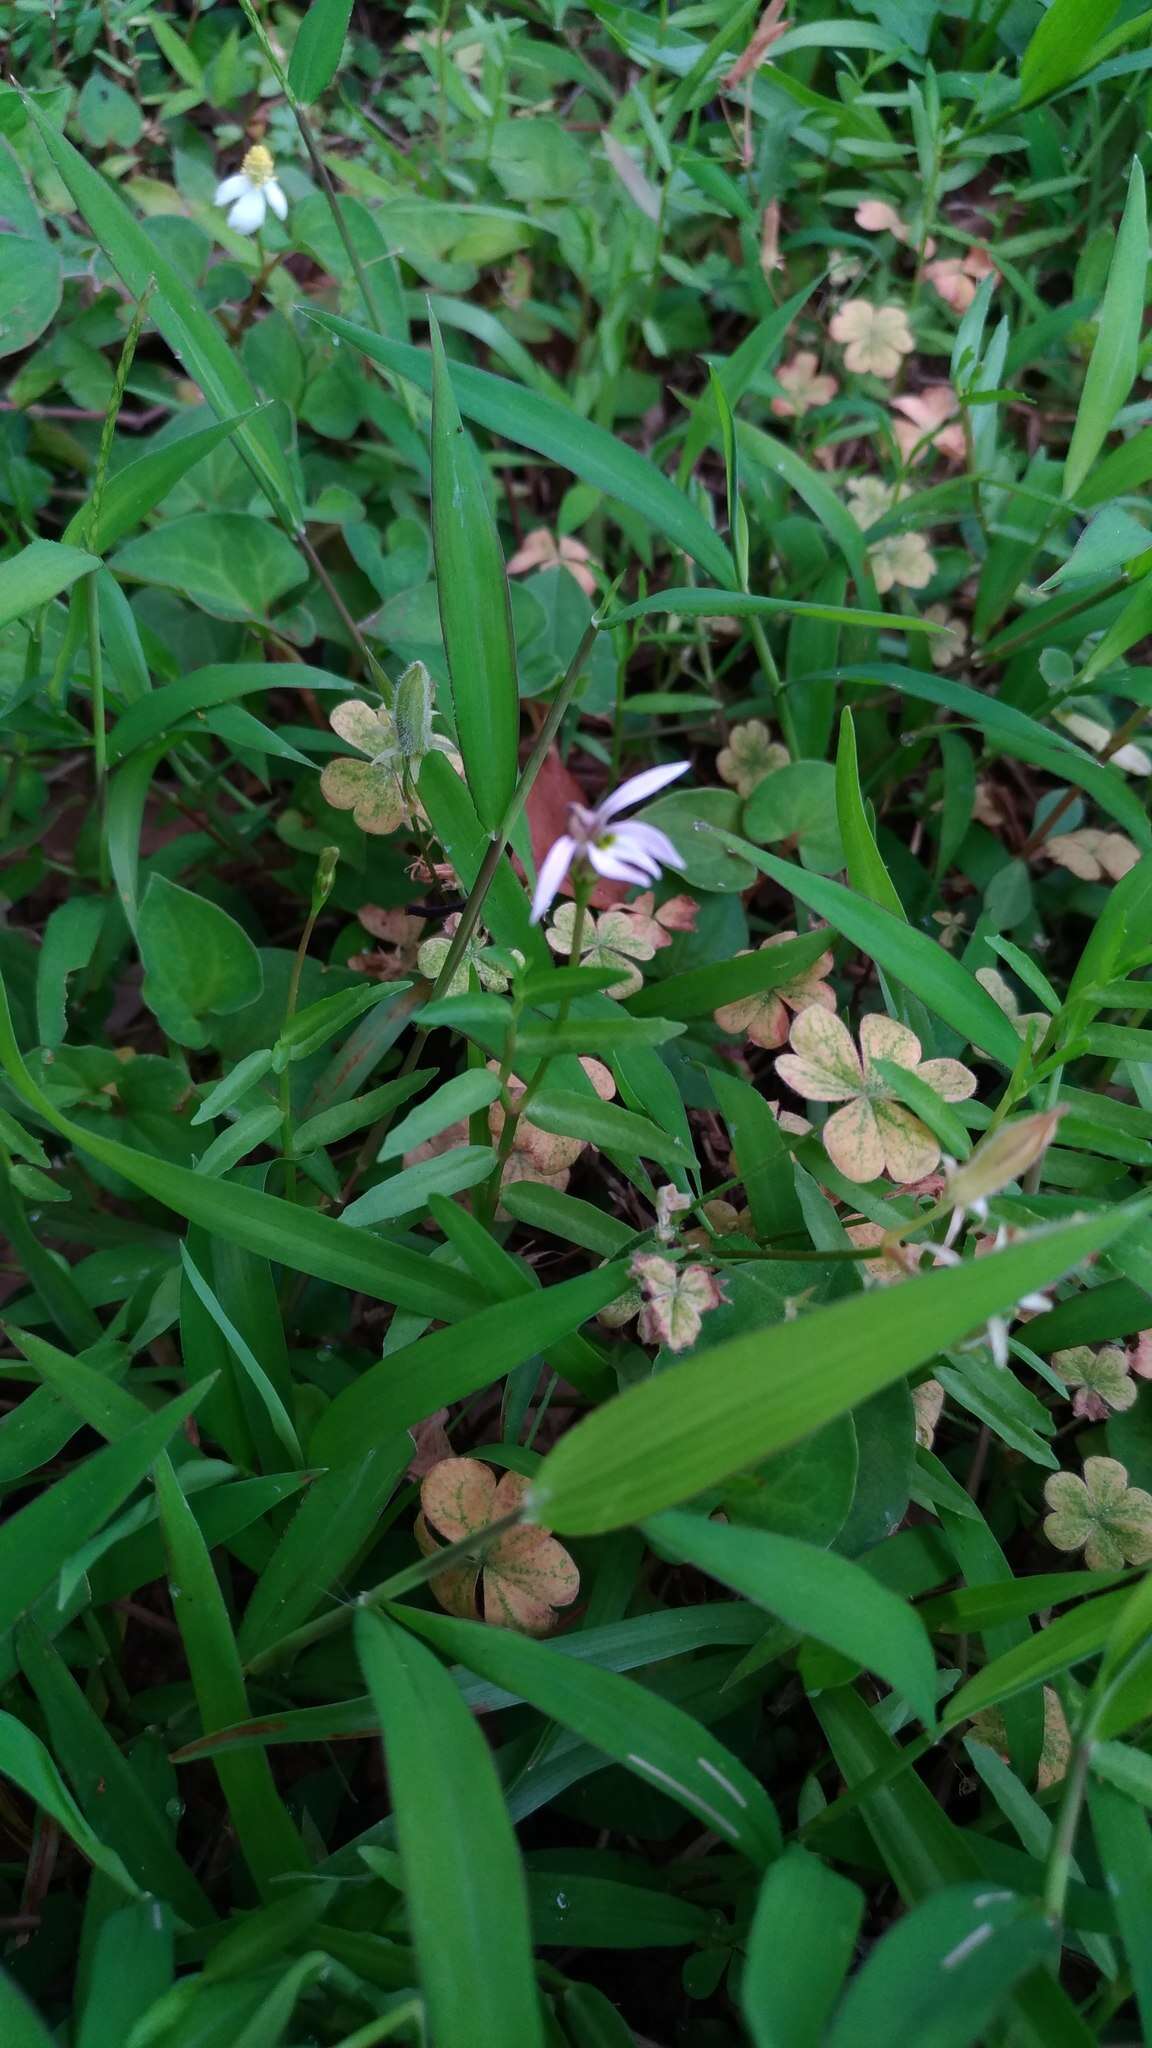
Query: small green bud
413 713
326 868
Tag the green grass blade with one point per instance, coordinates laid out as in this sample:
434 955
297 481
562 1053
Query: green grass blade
800 1945
1115 356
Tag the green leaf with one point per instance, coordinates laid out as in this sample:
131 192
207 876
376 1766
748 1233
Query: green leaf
1115 356
702 990
318 47
38 1540
233 564
800 1946
662 1744
724 1409
569 1113
761 1149
866 870
197 960
39 572
406 1192
27 1763
336 1518
168 709
530 421
267 1837
191 333
692 602
20 2025
814 1591
451 1364
283 1231
448 1104
1065 1642
1061 45
921 964
70 937
940 1976
32 272
1125 1849
464 1886
138 488
798 801
582 1223
475 609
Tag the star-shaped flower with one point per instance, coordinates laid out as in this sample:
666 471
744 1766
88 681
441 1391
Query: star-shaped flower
750 757
1101 1515
874 1132
874 338
805 386
1103 1380
522 1578
903 558
764 1017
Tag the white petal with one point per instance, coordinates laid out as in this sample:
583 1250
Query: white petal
608 862
248 213
638 787
634 838
274 194
553 869
233 188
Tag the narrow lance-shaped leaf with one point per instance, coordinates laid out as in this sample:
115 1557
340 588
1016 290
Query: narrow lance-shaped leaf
1115 353
475 609
317 49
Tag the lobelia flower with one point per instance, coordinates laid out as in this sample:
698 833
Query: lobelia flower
1100 1514
874 338
750 757
804 385
763 1017
628 852
250 191
903 558
930 420
998 1160
873 1133
1102 1379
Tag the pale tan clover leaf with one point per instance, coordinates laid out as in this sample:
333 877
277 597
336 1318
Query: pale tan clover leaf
370 788
1093 733
874 338
1100 1514
657 927
434 952
892 1262
929 419
904 559
873 1133
1055 1748
750 757
878 217
676 1300
522 1578
1103 1380
1092 855
955 278
1005 998
1140 1361
945 649
615 941
870 498
804 385
763 1017
928 1402
541 550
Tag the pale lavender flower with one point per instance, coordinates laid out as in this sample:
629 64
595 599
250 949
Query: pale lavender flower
629 852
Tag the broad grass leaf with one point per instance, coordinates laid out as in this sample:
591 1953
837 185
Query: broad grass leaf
131 1964
1066 1641
943 1973
407 1192
475 609
866 870
173 706
454 1099
38 573
663 1441
282 1231
464 1885
192 334
317 50
1124 1846
921 964
800 1946
663 1745
138 488
336 1518
25 1761
561 436
1115 355
567 1113
1061 45
822 1595
39 1539
451 1364
694 603
266 1835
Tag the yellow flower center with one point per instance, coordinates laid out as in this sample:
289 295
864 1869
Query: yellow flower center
258 166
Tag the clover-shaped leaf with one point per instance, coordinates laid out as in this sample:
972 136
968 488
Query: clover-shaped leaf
873 1133
1103 1380
750 756
676 1300
763 1017
521 1578
370 788
1100 1514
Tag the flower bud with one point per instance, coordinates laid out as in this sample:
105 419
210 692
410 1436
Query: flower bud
1001 1158
413 713
322 886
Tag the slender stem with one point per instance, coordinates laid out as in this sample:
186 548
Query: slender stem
1058 1865
378 675
471 1548
99 733
780 704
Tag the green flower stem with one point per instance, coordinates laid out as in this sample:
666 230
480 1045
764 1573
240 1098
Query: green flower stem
470 915
90 600
321 890
470 1549
1058 1864
583 882
780 705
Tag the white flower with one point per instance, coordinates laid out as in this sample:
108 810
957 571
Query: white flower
624 853
250 191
